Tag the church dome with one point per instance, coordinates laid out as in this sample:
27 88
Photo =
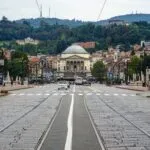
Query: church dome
75 49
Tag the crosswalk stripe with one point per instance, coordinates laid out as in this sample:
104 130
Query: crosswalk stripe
124 94
63 94
47 94
13 94
98 94
106 94
89 94
38 94
21 94
80 94
133 95
30 94
55 94
116 94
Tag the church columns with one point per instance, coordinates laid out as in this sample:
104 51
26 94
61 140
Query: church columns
75 66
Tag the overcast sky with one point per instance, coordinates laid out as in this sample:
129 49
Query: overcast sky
86 10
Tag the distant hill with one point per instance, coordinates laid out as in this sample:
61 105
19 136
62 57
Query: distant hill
51 21
129 18
133 17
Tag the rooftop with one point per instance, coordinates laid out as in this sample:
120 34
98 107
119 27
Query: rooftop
75 49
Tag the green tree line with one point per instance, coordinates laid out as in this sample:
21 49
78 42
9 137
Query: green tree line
55 38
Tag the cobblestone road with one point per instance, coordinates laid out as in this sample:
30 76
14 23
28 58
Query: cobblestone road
24 118
120 116
122 120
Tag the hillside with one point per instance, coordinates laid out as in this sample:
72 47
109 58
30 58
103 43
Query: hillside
129 18
134 17
51 21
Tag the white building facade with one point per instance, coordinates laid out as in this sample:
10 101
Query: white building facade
74 61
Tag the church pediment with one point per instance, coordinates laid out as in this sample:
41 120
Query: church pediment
75 57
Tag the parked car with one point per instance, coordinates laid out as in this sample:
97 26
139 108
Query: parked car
86 82
63 85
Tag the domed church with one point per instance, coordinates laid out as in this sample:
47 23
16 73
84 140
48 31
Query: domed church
74 61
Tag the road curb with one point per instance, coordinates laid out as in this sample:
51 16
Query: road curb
5 94
132 89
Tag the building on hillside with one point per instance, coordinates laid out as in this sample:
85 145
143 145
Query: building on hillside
117 22
87 45
27 41
74 61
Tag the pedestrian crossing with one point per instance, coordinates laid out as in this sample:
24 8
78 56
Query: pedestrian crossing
68 93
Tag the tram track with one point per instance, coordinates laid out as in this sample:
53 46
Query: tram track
122 116
25 114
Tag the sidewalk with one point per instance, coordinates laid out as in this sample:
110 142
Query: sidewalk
143 91
14 87
134 88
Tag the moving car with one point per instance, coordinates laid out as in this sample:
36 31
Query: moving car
63 85
79 81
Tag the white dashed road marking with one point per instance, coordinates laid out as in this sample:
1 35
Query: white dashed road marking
47 94
21 94
30 94
80 94
13 94
116 94
89 94
38 94
55 94
98 94
63 94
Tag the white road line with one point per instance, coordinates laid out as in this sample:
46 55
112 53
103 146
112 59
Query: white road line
106 94
116 94
47 94
38 94
29 94
63 94
55 94
21 94
133 95
124 94
98 94
80 94
68 145
89 94
13 94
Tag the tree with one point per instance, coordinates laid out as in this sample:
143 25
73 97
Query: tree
99 71
18 65
134 65
132 53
